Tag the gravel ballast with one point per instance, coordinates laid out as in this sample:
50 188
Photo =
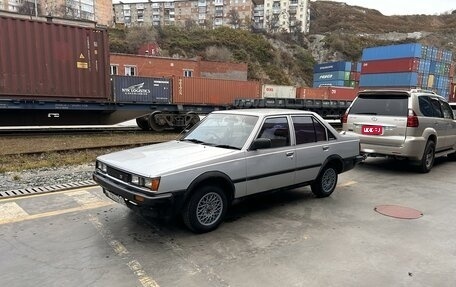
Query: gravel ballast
43 177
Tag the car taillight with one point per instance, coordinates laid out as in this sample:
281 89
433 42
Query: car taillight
412 119
343 119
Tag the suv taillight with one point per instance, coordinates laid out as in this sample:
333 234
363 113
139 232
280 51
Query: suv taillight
343 119
412 119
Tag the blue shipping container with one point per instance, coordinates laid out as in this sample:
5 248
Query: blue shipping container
128 89
331 76
389 80
332 66
392 52
329 83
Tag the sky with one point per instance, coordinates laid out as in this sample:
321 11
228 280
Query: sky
406 7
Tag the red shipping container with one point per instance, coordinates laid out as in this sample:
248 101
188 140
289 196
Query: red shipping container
213 91
452 97
452 67
41 60
347 94
390 66
327 93
312 93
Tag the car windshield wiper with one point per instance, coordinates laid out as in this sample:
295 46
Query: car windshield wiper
194 141
226 146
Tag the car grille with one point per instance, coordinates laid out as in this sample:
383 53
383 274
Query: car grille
123 176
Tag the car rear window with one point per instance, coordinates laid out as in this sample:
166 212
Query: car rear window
385 105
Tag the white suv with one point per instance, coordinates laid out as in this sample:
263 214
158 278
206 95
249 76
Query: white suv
417 125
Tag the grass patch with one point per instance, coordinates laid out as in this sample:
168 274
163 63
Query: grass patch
20 162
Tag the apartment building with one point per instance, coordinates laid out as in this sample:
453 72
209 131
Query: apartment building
271 15
99 11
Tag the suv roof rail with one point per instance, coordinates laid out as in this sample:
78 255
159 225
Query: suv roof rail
423 91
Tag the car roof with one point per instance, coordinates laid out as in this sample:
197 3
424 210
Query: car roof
265 112
392 92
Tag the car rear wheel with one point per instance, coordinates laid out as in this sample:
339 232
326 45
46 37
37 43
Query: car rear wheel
427 161
325 183
205 209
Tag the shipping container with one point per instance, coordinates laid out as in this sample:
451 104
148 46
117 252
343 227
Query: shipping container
127 89
390 66
392 52
212 91
275 91
46 60
329 83
332 67
389 80
327 93
332 76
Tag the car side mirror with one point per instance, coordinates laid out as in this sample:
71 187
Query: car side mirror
260 143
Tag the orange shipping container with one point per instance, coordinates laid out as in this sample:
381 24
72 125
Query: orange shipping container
327 93
212 91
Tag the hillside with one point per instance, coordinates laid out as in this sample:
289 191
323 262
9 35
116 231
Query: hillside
337 32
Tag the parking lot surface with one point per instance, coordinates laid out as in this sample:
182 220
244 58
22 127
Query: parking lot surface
80 238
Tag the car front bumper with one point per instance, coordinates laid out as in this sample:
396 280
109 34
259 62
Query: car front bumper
135 195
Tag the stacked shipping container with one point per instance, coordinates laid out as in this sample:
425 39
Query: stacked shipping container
342 74
407 66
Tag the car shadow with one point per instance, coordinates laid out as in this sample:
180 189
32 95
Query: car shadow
395 166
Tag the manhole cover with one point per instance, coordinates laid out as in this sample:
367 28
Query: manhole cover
397 211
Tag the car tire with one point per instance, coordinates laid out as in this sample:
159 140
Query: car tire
452 156
205 209
427 161
325 183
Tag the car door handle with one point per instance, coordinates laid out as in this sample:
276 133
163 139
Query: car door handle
290 154
325 147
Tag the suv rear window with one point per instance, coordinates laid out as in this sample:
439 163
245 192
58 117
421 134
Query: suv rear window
384 105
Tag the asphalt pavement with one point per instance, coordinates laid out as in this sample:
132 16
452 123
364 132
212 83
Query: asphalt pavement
81 238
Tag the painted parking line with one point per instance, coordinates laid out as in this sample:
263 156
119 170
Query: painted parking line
122 252
6 219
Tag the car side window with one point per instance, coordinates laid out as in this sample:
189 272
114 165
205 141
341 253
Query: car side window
304 129
308 130
425 106
277 130
437 109
447 111
320 131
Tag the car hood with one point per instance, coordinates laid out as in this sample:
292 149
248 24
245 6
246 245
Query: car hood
159 159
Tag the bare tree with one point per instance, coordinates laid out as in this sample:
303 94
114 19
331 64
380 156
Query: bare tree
136 36
234 19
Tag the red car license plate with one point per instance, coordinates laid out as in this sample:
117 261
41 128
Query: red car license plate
371 130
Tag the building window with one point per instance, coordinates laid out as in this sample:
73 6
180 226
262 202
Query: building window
114 69
188 73
130 71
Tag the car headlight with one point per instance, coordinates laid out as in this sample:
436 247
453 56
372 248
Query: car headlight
101 166
150 183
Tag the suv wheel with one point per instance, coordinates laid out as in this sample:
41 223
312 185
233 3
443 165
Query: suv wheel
325 183
205 209
427 161
452 156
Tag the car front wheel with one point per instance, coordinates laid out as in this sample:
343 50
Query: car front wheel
205 209
325 183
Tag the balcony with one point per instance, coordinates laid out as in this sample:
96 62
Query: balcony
202 3
201 16
276 10
218 3
169 5
155 5
292 10
293 2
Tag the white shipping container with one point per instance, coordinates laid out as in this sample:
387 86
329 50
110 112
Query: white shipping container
275 91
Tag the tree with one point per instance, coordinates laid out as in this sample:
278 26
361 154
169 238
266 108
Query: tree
136 36
234 19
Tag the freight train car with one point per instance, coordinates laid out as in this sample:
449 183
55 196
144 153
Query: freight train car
55 73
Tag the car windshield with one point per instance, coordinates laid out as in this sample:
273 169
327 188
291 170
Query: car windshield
222 130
